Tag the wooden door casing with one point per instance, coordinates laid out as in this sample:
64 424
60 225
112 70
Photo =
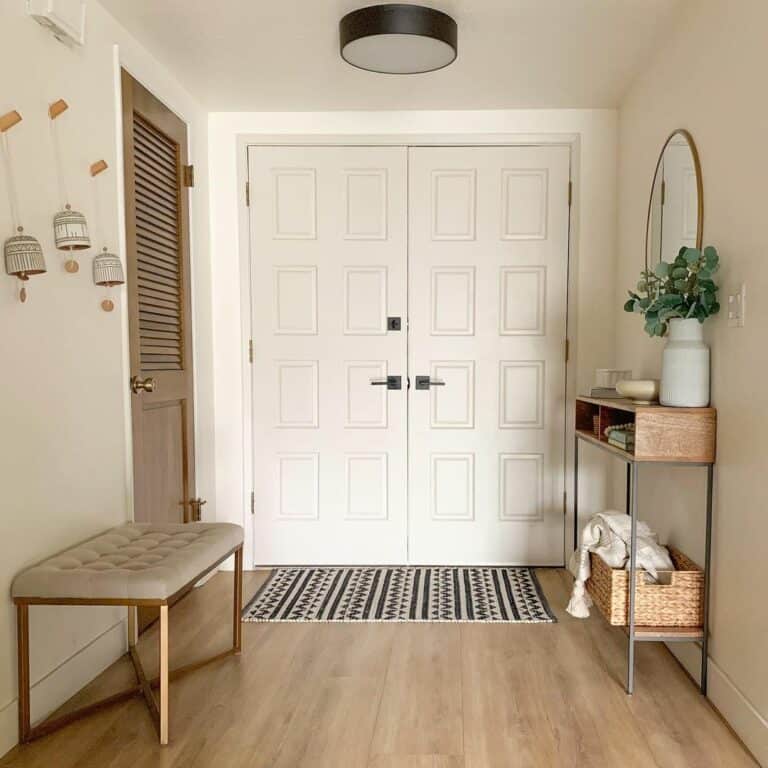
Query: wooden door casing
159 296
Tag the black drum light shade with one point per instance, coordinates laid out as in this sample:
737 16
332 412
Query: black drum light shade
398 39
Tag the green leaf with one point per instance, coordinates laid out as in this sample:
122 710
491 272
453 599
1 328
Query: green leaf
642 286
661 269
629 306
681 285
680 272
667 314
714 309
671 299
711 258
692 255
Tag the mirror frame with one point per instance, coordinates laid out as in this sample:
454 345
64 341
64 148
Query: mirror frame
699 187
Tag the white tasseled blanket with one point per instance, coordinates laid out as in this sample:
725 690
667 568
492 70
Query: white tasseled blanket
607 535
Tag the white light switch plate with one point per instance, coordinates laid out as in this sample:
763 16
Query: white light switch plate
737 307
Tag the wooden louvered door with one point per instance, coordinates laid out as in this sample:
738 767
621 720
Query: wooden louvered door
157 227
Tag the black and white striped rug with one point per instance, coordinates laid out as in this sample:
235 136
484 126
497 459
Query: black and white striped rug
435 594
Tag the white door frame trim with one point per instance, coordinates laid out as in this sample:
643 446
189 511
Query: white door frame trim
244 141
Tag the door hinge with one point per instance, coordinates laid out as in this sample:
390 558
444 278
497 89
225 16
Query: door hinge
565 503
663 191
567 350
248 194
188 173
250 350
253 503
570 193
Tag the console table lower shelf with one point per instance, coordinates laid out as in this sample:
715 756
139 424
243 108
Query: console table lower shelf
668 436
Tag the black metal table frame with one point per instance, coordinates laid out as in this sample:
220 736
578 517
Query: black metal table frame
632 511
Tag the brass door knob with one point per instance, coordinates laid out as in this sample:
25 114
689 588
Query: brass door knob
142 385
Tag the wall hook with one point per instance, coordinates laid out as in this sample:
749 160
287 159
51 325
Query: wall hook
8 120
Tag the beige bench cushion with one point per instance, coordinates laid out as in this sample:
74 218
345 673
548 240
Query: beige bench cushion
134 561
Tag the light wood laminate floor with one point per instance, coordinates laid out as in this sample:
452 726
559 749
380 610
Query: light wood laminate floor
399 696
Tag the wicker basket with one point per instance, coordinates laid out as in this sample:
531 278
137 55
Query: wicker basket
678 603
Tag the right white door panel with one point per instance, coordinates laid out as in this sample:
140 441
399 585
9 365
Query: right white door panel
488 261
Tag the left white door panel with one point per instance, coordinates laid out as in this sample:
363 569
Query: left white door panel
328 267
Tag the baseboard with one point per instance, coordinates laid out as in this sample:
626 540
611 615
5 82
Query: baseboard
748 724
62 683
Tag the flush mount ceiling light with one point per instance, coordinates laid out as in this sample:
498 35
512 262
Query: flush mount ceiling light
398 39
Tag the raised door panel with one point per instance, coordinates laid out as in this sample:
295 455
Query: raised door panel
328 266
488 239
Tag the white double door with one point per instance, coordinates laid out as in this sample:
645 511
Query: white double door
467 248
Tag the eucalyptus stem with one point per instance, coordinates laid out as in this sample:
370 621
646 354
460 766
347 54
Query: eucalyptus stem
681 289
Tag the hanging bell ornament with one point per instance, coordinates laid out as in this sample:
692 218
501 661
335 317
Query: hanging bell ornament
23 257
108 271
70 233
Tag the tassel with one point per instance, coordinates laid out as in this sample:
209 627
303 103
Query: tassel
580 601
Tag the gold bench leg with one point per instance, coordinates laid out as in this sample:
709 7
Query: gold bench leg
133 626
163 674
22 640
237 623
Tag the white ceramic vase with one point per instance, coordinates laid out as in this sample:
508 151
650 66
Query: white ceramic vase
685 366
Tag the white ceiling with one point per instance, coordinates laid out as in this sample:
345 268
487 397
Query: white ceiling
282 55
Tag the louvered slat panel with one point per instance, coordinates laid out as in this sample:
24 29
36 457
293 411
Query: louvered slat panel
158 248
149 210
157 291
149 192
155 261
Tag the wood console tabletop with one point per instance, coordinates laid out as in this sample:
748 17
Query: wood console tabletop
662 433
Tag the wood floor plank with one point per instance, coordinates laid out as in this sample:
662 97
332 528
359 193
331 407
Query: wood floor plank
417 761
341 670
421 709
398 696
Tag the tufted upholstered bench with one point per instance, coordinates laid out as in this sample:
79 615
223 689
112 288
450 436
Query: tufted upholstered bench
133 565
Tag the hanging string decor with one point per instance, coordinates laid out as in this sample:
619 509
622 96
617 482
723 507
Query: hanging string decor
107 267
70 229
23 253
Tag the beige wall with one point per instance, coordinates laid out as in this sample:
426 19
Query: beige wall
64 456
710 78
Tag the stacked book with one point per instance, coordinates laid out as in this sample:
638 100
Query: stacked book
621 436
606 393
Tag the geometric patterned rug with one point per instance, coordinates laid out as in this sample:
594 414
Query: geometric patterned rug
410 594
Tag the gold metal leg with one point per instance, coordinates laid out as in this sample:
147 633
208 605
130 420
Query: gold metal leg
22 640
163 674
133 626
237 624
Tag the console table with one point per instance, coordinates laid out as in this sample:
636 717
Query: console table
663 435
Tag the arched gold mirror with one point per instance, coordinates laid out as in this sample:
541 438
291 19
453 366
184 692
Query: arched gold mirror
676 206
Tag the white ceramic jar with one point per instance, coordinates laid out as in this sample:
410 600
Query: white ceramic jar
685 366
